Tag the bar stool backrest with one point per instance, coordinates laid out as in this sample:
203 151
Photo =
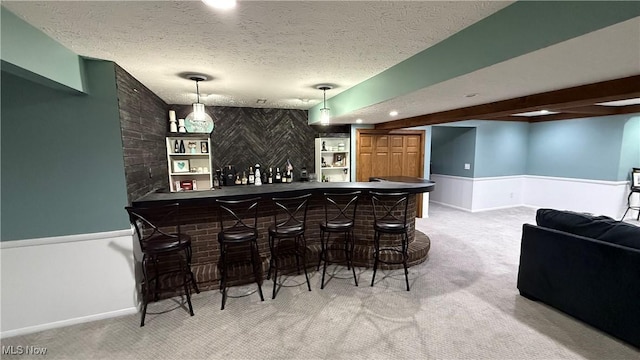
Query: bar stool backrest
238 215
291 212
159 223
341 207
390 207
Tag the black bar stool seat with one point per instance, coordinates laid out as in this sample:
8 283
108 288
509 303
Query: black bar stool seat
162 243
289 222
390 217
339 218
238 220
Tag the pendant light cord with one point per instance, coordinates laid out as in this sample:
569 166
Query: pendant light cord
197 92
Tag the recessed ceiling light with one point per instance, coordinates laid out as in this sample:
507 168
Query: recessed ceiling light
471 95
635 101
358 121
261 101
393 113
221 4
536 113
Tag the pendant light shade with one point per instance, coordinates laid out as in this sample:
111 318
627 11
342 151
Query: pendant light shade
198 108
325 114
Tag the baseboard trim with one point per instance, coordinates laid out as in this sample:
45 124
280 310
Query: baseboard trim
449 205
64 239
63 323
498 208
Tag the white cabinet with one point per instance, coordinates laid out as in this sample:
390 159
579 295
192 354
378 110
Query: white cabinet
332 159
189 162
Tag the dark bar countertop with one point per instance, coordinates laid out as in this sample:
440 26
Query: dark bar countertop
391 183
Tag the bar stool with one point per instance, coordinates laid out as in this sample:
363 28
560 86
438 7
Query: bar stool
635 189
237 219
164 248
339 218
390 217
289 219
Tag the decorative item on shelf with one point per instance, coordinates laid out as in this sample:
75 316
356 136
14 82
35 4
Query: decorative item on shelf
325 116
186 184
181 127
324 146
341 147
173 125
181 166
176 147
204 147
324 164
192 147
193 169
182 150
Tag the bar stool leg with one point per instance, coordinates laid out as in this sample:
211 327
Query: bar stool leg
351 244
324 254
304 260
193 278
322 249
376 250
255 263
223 275
185 283
274 257
145 292
405 256
296 250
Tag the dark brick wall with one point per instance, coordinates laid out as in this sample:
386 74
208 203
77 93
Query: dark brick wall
246 136
143 122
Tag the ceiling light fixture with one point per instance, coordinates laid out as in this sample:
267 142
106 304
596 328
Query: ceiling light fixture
221 4
325 116
198 108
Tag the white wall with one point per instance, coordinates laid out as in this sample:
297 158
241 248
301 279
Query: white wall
59 281
480 194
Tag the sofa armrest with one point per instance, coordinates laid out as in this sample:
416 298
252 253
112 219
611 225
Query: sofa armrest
594 281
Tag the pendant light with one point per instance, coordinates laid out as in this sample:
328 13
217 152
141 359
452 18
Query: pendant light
325 116
198 108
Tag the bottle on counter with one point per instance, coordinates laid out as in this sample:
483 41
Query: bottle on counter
238 181
270 176
278 177
258 176
244 179
252 176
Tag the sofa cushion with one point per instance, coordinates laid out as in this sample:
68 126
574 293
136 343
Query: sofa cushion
601 228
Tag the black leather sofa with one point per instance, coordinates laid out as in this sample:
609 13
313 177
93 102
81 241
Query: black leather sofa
586 266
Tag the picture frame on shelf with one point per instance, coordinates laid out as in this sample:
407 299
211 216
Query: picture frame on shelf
204 147
181 166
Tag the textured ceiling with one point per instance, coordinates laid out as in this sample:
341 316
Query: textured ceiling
274 50
279 50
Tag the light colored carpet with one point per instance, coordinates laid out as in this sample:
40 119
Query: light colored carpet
463 304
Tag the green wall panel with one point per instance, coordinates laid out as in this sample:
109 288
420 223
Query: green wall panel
62 163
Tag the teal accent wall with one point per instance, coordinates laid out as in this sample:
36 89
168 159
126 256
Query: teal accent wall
501 148
62 163
588 148
451 148
630 152
508 33
28 52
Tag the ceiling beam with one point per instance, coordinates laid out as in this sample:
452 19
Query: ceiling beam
591 109
574 97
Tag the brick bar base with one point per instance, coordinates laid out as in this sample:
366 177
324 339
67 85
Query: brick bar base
201 223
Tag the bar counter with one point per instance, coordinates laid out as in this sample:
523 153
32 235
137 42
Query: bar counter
199 216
